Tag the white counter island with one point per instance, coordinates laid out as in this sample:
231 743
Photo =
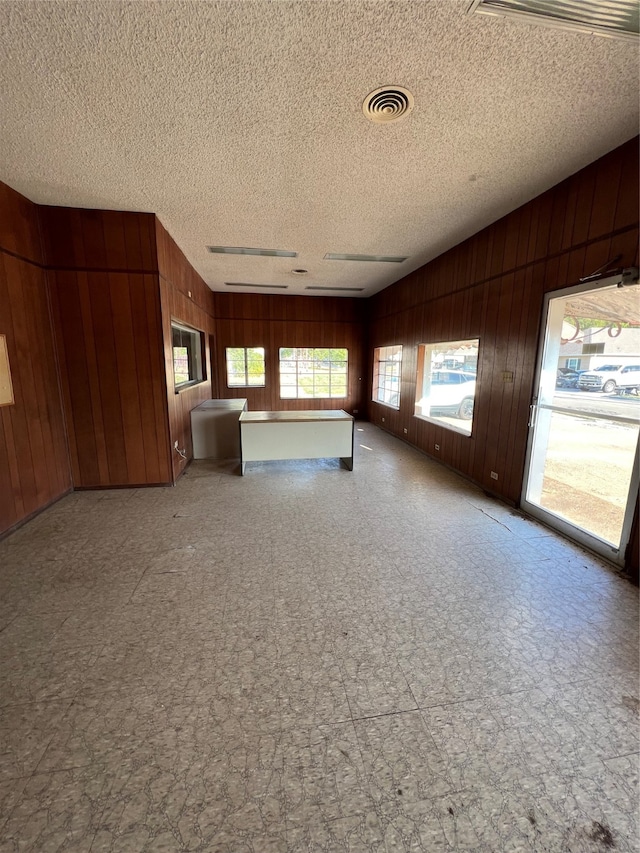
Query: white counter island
267 436
214 429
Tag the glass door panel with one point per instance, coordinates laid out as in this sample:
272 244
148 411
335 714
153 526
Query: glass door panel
582 457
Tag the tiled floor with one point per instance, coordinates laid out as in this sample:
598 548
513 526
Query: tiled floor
308 659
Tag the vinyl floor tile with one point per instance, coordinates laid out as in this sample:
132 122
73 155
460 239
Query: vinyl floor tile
324 775
57 811
25 733
309 659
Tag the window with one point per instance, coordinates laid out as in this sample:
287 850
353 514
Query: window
387 367
316 373
573 363
446 386
592 349
188 360
245 367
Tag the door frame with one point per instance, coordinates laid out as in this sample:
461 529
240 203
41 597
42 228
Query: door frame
571 531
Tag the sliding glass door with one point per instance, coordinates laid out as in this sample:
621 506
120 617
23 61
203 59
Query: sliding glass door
582 460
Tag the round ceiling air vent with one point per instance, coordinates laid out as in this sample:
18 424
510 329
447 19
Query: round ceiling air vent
389 103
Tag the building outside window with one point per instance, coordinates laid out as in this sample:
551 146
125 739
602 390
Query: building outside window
584 346
245 367
307 372
387 369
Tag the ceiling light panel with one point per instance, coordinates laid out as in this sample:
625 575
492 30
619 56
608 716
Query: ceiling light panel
342 289
241 250
249 284
385 259
614 18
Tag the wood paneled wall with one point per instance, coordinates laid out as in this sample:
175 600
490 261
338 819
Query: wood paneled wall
34 460
107 316
184 297
256 320
99 240
115 281
492 286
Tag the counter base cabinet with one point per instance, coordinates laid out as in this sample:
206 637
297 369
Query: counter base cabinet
214 429
269 436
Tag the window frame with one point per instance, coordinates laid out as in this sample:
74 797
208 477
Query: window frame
386 375
196 355
423 387
308 357
262 384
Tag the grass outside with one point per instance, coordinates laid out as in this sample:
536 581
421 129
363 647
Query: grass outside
587 473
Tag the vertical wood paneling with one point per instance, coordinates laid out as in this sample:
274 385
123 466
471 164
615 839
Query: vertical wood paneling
175 306
126 367
502 275
245 320
627 199
106 300
19 228
584 204
98 239
184 297
117 279
109 337
605 194
34 460
152 412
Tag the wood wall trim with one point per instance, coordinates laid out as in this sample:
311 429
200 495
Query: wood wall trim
47 267
22 258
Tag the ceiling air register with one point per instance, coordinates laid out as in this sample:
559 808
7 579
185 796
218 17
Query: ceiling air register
390 103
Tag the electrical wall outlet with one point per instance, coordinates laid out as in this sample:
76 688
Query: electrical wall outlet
405 430
494 476
383 420
437 446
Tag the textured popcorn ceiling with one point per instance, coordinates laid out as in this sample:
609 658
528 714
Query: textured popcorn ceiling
240 123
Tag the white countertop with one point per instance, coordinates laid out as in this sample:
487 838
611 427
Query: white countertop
295 417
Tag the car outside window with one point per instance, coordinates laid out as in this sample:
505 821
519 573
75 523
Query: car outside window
447 396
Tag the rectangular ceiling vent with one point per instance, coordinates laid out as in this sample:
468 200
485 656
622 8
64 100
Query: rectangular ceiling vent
249 284
242 250
342 289
384 259
612 18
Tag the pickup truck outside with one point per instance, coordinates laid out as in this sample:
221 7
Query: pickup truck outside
611 377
